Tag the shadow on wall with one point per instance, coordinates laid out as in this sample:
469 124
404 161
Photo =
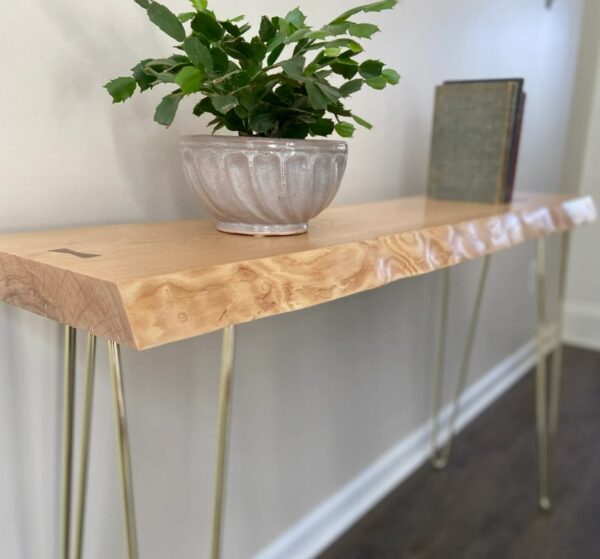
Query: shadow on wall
91 59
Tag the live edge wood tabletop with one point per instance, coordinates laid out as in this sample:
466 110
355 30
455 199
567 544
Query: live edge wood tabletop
149 284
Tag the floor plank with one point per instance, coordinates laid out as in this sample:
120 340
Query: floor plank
484 505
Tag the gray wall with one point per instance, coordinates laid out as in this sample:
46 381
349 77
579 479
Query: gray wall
582 172
319 394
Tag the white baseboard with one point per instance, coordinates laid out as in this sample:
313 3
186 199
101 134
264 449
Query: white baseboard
582 325
322 526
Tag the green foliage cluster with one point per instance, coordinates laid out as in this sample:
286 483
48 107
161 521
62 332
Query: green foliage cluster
288 81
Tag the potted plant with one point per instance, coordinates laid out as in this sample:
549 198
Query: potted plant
275 89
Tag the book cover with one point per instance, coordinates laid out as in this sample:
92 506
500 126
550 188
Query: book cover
473 140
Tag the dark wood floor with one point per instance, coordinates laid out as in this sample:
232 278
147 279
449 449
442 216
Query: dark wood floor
484 505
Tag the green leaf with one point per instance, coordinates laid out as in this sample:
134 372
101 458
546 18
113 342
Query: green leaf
224 103
332 52
333 29
362 122
321 95
323 127
231 28
391 76
262 123
275 54
166 20
345 129
339 109
165 77
364 30
186 16
204 106
345 67
200 5
267 30
167 109
143 80
285 27
220 60
351 87
294 67
345 43
377 83
373 7
143 3
198 53
208 26
121 89
189 79
297 35
163 63
317 98
371 69
296 17
295 130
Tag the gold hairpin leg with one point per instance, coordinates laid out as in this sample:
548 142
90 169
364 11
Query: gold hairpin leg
227 361
541 382
123 450
547 396
440 456
557 363
438 381
88 397
67 440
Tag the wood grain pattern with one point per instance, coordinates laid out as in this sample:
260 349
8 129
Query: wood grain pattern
144 285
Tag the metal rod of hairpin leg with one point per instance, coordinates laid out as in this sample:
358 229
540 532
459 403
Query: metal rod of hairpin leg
438 381
114 355
67 438
86 422
227 362
444 454
541 395
556 371
557 362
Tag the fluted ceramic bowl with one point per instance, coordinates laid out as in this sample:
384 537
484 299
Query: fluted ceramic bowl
263 186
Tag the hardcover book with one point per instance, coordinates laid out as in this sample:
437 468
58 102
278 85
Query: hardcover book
475 141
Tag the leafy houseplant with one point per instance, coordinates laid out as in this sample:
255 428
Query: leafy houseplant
288 82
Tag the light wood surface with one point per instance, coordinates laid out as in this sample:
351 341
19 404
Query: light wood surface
145 285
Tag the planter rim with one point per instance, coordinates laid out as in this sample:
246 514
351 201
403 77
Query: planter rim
253 142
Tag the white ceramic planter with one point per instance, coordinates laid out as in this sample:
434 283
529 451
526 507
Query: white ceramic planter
263 186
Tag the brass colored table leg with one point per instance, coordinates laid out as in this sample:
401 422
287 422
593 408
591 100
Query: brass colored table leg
67 440
227 362
438 382
548 390
85 444
557 364
440 456
541 384
123 450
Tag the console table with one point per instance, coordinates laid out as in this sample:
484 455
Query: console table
149 284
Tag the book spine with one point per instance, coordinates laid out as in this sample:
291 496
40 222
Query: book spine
513 93
510 188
